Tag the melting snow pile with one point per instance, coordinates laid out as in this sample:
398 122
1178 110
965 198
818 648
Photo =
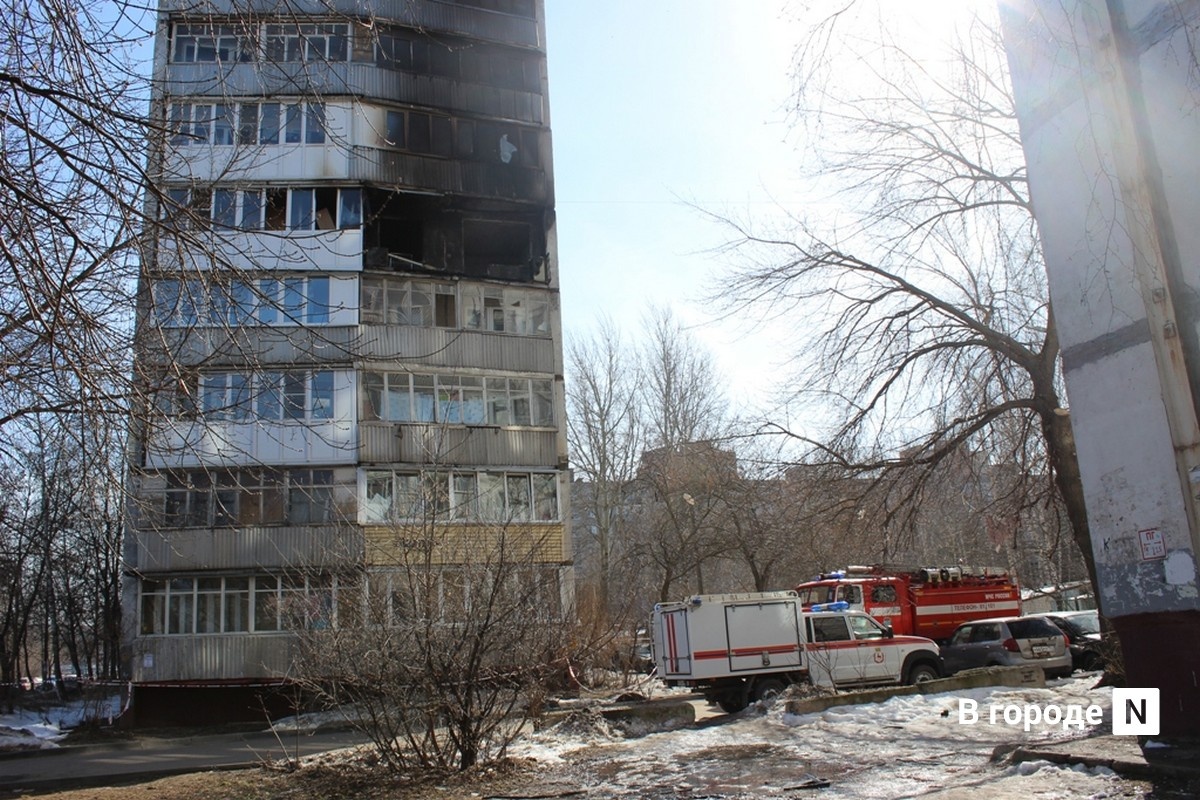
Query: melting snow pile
40 726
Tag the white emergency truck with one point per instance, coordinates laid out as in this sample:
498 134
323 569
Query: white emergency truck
735 648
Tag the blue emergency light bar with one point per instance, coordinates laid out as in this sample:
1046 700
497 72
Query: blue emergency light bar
840 605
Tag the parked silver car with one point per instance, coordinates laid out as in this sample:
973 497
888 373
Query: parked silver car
1008 641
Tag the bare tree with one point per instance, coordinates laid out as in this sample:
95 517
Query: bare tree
448 651
681 527
927 329
73 134
71 172
681 395
780 519
604 423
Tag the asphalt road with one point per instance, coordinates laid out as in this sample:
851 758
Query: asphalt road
146 758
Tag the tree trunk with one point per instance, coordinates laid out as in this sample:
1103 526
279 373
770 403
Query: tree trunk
1060 445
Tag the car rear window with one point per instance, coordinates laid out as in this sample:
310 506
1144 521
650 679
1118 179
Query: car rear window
1032 628
1088 623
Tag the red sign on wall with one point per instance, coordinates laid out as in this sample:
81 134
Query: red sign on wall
1153 544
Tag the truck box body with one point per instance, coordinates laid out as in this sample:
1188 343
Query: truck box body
712 636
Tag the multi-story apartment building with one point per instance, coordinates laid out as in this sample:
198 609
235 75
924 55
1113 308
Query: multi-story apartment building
349 325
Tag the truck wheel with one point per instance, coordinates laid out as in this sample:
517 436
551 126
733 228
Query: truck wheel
768 689
920 673
733 702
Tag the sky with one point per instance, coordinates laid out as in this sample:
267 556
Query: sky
654 107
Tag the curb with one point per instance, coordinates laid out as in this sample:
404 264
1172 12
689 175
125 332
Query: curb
1126 758
968 679
663 711
1132 769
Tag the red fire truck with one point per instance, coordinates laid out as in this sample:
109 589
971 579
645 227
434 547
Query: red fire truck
920 601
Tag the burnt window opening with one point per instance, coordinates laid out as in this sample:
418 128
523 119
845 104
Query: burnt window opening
432 134
408 51
445 310
506 144
326 218
395 230
464 139
276 218
518 8
497 249
420 139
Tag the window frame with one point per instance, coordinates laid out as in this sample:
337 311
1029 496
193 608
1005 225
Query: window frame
241 604
459 496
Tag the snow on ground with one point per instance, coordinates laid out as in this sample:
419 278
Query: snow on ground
40 723
904 747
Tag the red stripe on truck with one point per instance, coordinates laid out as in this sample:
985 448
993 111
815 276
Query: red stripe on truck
701 655
672 653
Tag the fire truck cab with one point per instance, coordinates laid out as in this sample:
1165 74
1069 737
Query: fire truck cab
920 601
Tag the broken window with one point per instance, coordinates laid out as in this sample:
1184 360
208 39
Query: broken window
276 214
395 129
506 310
407 302
488 244
262 497
323 208
445 307
326 216
394 50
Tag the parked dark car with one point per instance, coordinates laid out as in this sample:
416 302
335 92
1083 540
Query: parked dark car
1084 637
1008 641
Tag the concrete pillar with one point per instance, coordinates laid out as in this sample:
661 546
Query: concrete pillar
1109 110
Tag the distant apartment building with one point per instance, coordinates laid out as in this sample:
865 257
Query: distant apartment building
349 324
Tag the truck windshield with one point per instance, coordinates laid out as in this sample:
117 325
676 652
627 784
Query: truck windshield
811 595
851 593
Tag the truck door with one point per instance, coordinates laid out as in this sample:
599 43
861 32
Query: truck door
763 636
673 633
883 603
878 657
850 649
831 657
